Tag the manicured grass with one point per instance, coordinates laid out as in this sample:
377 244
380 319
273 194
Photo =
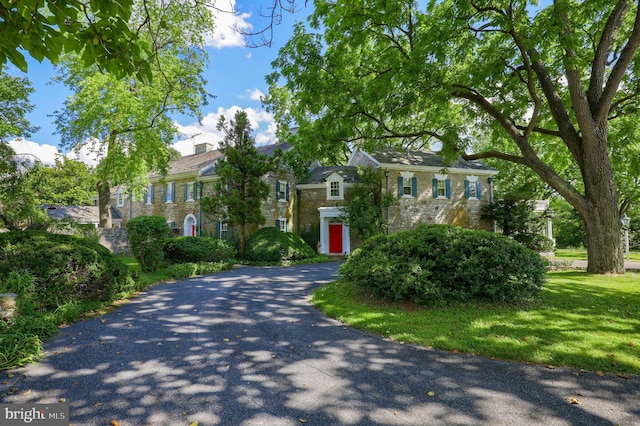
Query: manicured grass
584 321
581 254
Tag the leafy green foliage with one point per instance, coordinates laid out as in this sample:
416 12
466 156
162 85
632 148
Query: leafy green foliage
197 249
128 122
365 212
57 278
516 218
63 268
191 269
68 182
101 32
546 83
272 245
14 92
146 236
240 189
439 264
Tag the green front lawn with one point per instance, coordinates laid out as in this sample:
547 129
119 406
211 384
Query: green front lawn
584 321
581 254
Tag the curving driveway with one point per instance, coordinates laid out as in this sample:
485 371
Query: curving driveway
245 347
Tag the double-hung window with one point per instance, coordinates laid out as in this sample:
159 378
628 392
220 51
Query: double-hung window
168 193
407 185
335 187
282 190
190 191
282 224
148 195
120 197
441 187
472 189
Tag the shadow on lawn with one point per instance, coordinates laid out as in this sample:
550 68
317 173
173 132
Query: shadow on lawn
245 347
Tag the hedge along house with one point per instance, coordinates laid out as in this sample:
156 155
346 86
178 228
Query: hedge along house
426 189
177 195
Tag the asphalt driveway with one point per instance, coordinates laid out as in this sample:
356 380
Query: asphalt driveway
245 347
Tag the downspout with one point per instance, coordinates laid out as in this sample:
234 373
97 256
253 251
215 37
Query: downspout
297 201
201 184
490 179
386 177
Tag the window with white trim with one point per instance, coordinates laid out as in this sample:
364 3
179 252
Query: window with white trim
282 190
282 224
407 185
441 187
120 197
224 231
148 195
472 189
190 191
169 192
335 188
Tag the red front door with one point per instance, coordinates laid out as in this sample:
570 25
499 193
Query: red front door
335 238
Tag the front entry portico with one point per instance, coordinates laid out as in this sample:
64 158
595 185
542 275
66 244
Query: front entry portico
334 234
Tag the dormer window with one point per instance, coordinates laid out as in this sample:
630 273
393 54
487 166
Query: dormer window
335 187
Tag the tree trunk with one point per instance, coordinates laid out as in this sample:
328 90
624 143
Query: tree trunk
104 204
243 239
601 213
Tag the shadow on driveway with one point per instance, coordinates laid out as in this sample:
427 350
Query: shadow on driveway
245 347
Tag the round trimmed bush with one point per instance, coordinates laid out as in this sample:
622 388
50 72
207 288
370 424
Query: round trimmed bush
197 249
63 268
146 236
438 264
272 245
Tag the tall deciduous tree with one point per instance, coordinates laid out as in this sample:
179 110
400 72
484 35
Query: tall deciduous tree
98 31
127 121
16 171
240 188
68 182
544 82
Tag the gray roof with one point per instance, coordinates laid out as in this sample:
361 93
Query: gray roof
423 158
190 163
320 174
80 214
270 150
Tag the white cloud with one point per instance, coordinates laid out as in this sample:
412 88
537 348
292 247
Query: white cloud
262 123
45 153
229 24
254 95
86 155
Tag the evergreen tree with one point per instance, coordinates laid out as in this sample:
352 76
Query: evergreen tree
240 189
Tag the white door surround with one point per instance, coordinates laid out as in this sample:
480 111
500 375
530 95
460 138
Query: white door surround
332 215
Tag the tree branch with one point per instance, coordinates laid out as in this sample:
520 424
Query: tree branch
618 71
603 51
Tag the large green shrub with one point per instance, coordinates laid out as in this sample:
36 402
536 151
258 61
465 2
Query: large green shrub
438 264
197 249
62 268
146 236
272 245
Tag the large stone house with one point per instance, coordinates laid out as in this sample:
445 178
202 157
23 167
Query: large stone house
427 191
177 196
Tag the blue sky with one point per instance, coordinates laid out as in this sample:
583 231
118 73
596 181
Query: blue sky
235 77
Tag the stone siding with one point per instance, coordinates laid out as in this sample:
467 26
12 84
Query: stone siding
408 212
115 239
